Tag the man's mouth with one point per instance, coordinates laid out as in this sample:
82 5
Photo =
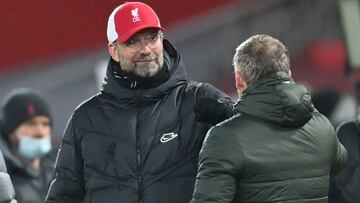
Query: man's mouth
145 61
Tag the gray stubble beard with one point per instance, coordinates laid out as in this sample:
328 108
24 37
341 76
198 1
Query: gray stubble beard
144 72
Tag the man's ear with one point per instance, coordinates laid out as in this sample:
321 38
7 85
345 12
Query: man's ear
240 82
113 51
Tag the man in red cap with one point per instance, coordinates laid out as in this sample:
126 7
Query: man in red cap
138 139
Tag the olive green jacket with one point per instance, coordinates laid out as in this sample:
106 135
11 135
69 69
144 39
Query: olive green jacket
278 149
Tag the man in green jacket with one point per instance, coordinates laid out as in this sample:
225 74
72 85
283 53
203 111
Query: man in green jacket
279 148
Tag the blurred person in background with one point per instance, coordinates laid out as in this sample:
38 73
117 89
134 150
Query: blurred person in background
279 148
7 192
345 187
138 139
25 142
357 96
336 106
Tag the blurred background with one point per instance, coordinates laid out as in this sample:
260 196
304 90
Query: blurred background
60 47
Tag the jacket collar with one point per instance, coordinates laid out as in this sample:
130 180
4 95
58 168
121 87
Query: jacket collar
278 99
131 81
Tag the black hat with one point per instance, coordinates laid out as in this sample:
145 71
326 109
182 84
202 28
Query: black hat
20 105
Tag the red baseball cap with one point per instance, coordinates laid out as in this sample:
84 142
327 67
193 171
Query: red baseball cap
128 19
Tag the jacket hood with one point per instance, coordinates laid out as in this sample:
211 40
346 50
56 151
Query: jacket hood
174 64
277 99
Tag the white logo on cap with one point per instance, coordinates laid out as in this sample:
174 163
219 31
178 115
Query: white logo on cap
135 14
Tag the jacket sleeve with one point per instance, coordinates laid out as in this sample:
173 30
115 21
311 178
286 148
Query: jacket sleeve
341 189
220 163
7 192
207 90
211 105
68 185
340 158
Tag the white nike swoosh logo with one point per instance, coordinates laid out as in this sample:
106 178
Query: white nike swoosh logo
167 137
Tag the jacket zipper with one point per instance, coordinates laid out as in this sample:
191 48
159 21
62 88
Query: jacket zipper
138 160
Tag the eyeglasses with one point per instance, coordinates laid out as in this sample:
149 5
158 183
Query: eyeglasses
135 44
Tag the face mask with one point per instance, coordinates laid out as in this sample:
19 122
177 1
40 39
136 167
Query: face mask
33 148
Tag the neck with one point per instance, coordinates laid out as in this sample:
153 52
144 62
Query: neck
33 163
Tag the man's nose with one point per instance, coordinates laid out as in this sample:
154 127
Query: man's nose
41 131
145 48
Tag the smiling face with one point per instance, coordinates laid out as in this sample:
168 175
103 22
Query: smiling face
141 55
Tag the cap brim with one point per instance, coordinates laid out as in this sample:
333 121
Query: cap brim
130 33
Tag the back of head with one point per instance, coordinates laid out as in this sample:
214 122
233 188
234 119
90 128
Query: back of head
260 55
20 105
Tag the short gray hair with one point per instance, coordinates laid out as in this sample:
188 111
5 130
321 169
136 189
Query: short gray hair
260 55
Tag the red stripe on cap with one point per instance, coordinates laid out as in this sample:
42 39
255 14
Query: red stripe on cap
30 109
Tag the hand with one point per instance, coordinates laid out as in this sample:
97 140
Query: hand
213 111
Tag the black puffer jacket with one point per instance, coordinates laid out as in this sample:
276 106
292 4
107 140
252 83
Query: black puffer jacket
133 145
345 187
7 192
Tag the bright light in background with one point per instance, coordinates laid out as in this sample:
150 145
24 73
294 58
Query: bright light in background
350 20
100 72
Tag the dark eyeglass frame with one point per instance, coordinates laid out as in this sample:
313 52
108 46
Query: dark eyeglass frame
136 44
